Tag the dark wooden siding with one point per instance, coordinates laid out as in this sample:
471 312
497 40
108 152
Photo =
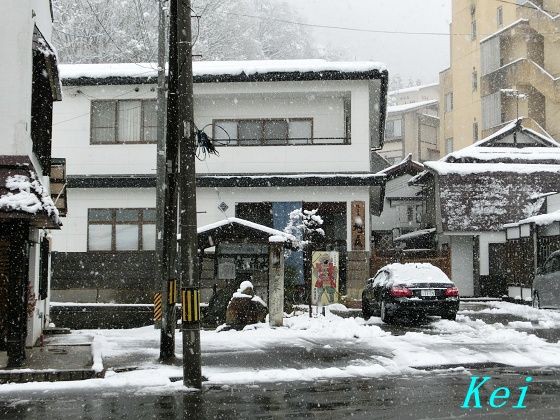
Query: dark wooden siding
486 201
104 270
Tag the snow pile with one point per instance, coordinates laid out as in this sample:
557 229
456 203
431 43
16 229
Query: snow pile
547 318
30 196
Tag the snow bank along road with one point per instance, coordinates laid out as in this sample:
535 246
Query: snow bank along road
328 347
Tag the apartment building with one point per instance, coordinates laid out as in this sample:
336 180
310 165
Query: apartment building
412 129
290 134
504 64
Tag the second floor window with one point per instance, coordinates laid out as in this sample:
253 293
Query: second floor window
393 129
264 132
123 121
449 102
121 229
474 80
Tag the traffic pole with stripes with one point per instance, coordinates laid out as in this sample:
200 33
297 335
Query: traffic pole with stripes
190 310
157 310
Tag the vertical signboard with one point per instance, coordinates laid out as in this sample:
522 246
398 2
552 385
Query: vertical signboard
324 277
358 225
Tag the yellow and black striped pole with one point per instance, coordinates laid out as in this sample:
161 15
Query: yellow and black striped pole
172 292
157 310
190 298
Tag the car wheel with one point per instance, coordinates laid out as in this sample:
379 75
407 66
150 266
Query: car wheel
452 316
536 301
366 310
385 317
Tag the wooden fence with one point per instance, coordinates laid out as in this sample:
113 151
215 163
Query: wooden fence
438 259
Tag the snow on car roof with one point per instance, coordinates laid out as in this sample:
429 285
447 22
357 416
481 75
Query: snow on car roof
410 273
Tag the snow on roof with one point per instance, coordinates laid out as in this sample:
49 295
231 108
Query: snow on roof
410 273
410 107
415 234
218 68
28 195
539 220
412 89
448 168
543 195
276 234
395 167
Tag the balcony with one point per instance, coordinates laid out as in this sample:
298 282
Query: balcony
522 72
543 22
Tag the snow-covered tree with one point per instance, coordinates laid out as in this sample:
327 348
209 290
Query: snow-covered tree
306 224
92 31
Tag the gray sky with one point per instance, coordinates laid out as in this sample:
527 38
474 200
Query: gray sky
411 56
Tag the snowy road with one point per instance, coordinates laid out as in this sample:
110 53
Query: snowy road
333 347
311 357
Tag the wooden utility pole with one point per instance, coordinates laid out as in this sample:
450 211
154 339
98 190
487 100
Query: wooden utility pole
167 182
188 243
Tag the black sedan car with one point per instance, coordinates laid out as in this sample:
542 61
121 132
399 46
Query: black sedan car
399 291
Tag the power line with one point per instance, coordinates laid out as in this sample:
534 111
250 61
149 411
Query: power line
364 30
94 98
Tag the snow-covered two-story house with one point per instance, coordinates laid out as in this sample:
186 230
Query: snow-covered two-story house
290 134
473 192
29 85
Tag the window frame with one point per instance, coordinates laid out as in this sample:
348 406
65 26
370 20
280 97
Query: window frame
499 17
475 130
113 223
116 122
448 102
474 80
449 146
288 142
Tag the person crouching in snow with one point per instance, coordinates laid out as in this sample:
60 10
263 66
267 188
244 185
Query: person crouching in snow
245 308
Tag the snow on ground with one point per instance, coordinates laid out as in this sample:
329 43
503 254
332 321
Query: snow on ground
353 348
538 318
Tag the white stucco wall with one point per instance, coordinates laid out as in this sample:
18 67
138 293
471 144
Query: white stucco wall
73 238
16 29
320 100
462 263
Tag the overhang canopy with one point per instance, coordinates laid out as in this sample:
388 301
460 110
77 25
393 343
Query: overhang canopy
234 229
23 197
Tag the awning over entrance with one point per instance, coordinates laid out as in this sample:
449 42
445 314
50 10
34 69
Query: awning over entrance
233 229
22 196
